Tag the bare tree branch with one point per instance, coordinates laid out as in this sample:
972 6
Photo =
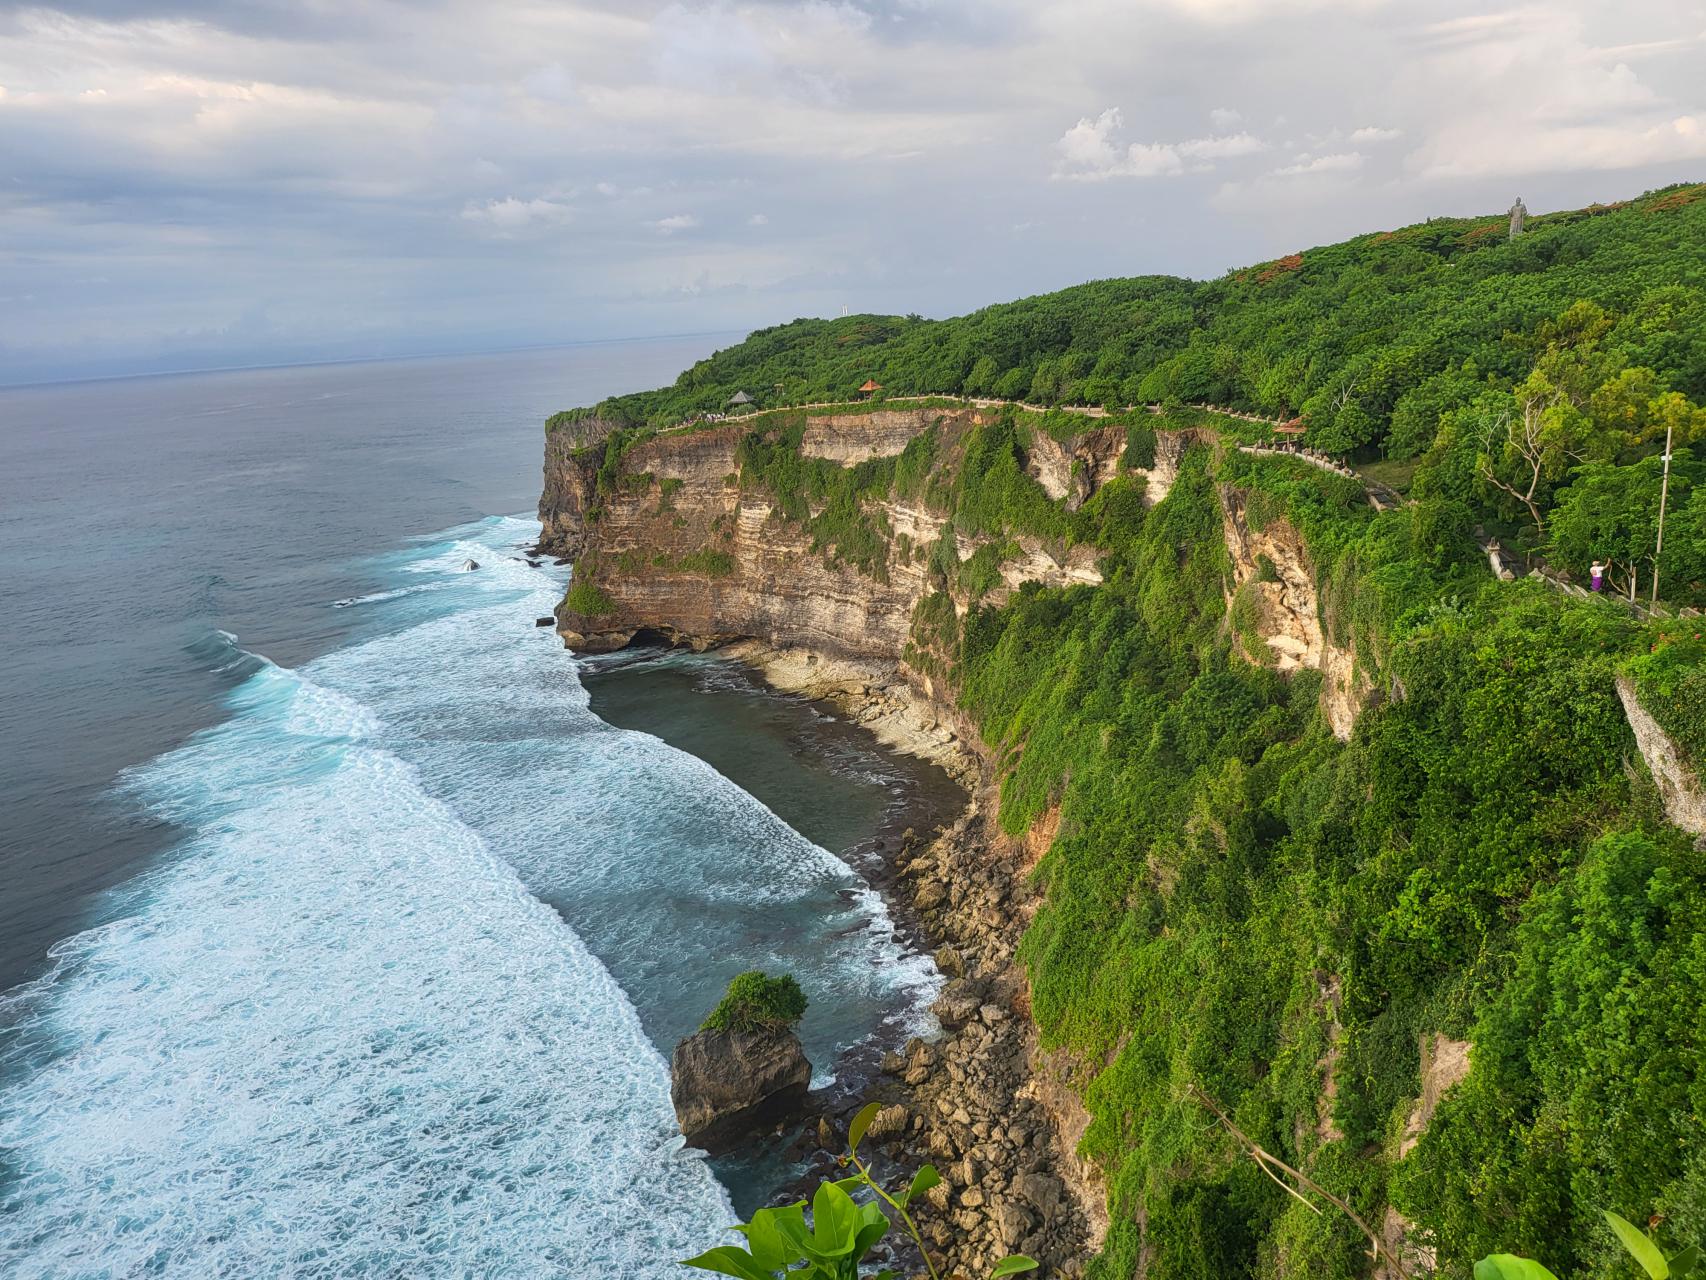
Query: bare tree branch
1268 1162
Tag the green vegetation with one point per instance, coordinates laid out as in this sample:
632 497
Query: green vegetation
588 598
1240 903
842 1231
1233 890
1671 684
1636 1243
758 1002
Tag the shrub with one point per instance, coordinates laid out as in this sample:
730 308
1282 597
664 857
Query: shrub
589 600
756 1001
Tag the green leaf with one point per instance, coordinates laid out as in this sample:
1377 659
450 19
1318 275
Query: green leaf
790 1221
1683 1264
1012 1265
771 1249
727 1260
861 1122
835 1223
868 1235
1640 1247
1507 1266
922 1181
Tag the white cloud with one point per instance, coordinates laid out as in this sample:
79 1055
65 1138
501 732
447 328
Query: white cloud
510 216
1090 152
1534 93
1333 162
1222 148
447 161
550 83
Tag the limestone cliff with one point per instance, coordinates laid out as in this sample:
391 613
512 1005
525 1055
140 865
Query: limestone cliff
840 590
1275 606
670 541
1683 795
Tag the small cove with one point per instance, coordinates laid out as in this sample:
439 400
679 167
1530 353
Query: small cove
825 776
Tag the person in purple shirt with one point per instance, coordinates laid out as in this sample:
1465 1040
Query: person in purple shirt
1597 576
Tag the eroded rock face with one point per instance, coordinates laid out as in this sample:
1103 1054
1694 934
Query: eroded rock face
852 438
721 1082
1076 468
1271 564
572 457
1684 797
1170 447
679 501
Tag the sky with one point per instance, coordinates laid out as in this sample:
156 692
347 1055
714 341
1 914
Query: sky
185 183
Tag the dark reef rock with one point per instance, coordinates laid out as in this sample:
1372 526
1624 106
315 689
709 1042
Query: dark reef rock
725 1082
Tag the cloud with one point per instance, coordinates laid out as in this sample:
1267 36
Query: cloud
477 171
1334 162
1536 93
512 217
1089 151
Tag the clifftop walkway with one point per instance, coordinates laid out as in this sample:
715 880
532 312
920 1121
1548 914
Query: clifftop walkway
1381 497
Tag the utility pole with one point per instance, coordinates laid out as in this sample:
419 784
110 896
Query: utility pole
1664 495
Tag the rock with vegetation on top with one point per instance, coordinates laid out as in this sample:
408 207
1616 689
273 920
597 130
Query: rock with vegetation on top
745 1063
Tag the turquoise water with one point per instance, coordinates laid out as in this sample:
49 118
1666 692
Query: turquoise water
400 930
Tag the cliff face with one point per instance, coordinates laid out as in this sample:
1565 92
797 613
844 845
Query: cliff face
1682 793
676 545
1271 568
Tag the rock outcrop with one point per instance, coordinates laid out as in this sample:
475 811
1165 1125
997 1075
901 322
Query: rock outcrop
1682 793
724 1082
674 544
1271 566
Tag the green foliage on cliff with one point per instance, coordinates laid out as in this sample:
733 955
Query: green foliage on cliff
588 599
1239 901
757 1001
1671 684
1242 902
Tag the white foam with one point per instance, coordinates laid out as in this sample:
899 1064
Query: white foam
338 1033
336 1037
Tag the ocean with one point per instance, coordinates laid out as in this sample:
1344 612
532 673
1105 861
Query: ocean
340 935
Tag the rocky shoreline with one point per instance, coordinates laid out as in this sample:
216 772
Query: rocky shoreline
981 1103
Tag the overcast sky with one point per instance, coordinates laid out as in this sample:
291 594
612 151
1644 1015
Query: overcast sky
187 182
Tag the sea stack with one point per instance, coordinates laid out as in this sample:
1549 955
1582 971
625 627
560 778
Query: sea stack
745 1064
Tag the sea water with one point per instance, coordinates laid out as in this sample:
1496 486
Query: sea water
390 993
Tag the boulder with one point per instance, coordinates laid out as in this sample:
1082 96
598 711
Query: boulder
546 621
959 1003
468 566
931 894
890 1122
722 1082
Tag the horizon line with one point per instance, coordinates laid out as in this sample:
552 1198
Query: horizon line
344 360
